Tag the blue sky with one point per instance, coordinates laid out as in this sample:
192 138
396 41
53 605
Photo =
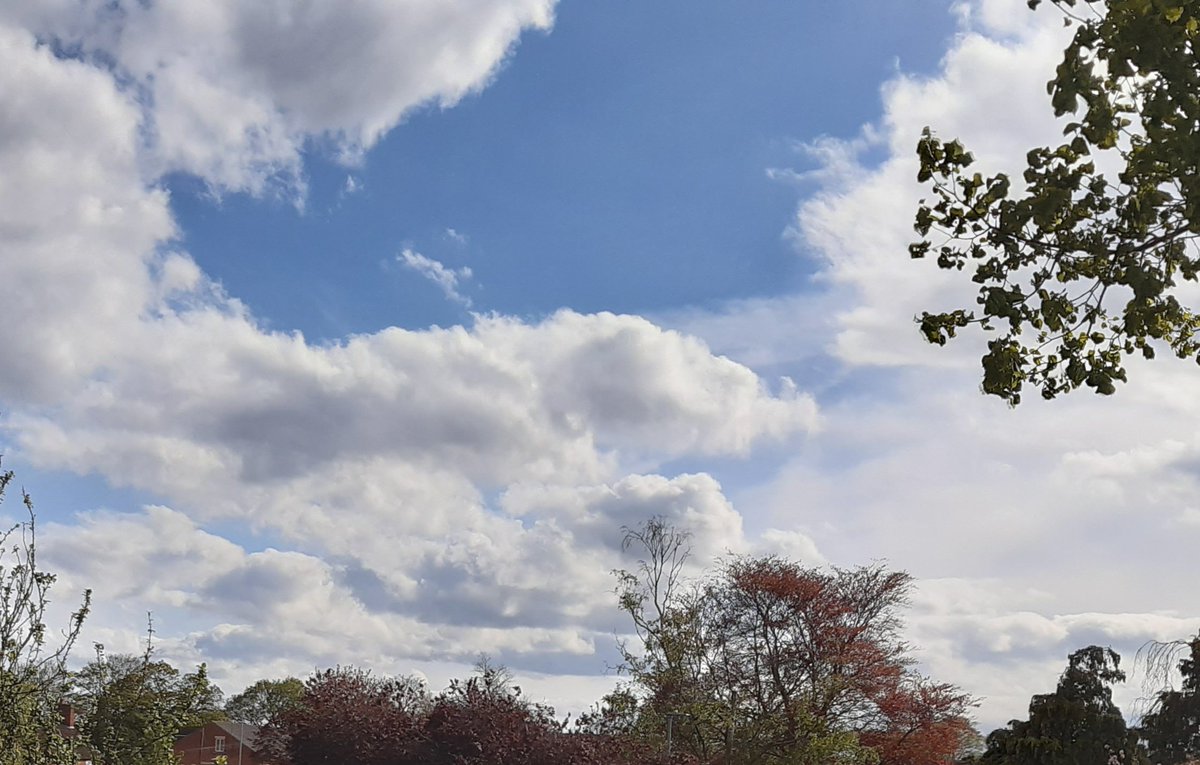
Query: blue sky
355 333
631 140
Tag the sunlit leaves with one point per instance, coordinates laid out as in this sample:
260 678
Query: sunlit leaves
263 700
131 707
1081 270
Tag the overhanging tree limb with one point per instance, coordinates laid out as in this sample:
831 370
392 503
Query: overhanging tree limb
1077 271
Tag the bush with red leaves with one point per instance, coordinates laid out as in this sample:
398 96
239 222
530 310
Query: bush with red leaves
350 717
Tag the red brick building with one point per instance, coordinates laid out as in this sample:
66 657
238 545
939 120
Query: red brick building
66 729
202 746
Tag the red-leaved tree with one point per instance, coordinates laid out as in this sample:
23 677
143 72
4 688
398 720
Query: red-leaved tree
769 661
350 717
824 647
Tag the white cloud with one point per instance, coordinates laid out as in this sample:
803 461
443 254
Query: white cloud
367 464
448 280
990 92
80 230
791 544
205 394
1001 638
234 91
374 589
1032 532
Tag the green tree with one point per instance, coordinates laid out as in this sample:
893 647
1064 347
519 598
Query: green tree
1171 730
617 714
265 699
132 707
669 661
33 674
768 661
1076 269
1078 724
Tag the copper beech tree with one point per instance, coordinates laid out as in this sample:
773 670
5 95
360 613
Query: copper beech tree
768 661
350 717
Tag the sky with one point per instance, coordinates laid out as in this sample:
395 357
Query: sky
354 333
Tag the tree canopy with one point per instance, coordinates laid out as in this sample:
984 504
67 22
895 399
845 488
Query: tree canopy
131 708
1077 270
349 716
769 661
1077 724
263 700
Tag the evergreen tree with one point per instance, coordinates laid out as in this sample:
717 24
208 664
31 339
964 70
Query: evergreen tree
1078 724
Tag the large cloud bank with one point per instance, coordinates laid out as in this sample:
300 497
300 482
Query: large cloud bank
414 498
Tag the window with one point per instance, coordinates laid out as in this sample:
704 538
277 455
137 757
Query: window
219 744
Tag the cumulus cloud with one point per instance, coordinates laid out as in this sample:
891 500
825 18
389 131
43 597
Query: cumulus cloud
1000 636
398 481
80 231
233 92
208 394
535 593
990 92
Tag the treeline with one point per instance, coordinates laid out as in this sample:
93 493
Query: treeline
760 660
1079 723
757 661
347 715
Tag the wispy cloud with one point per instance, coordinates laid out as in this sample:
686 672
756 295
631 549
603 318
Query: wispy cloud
447 279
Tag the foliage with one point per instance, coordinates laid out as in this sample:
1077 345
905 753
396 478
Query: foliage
971 746
130 708
486 721
1078 269
1078 723
262 701
33 675
614 715
350 716
771 662
1171 731
669 662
